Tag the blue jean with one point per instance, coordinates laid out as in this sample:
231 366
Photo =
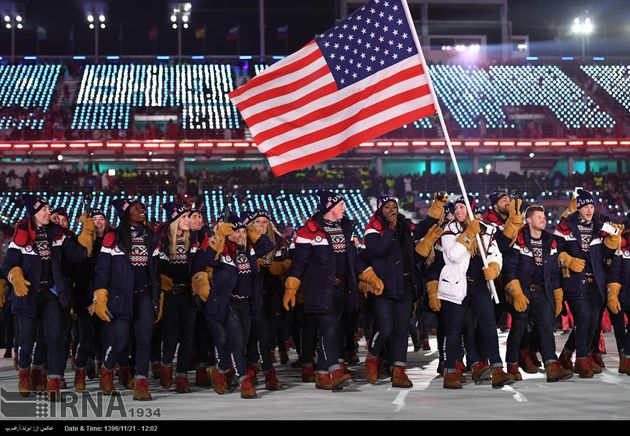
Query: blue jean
177 325
541 311
586 314
391 319
230 337
260 341
329 325
479 302
118 336
49 320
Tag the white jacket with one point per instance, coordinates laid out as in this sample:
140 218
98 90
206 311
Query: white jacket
452 285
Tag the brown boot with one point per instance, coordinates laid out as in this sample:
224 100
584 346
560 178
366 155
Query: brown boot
247 388
308 374
460 368
480 372
501 378
512 368
340 379
371 369
525 361
38 379
323 381
271 381
425 345
230 375
599 360
400 378
624 365
251 372
106 381
555 372
201 377
141 389
24 382
345 369
125 378
565 359
53 389
583 367
181 384
594 365
62 383
452 380
166 376
155 370
79 380
218 381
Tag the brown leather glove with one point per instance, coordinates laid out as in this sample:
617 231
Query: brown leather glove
4 287
223 230
468 237
613 297
280 268
613 241
436 210
368 275
425 245
515 220
432 291
291 286
99 305
519 300
86 237
575 264
492 271
166 283
365 288
160 309
201 285
558 296
572 207
253 234
20 284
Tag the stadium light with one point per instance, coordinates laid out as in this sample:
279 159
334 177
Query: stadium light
583 27
96 16
180 18
13 15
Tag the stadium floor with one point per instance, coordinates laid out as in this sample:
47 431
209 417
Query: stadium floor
604 397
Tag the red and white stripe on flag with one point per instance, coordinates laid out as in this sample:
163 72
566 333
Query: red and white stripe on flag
359 80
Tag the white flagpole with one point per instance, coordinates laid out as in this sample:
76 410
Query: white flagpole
447 137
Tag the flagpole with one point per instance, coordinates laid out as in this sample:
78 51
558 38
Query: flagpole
447 137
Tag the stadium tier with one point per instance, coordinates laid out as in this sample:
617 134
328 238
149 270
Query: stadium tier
109 97
25 95
288 208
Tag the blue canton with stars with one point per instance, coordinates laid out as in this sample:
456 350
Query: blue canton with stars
371 39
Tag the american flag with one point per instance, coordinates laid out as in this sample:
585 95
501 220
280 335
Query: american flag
358 80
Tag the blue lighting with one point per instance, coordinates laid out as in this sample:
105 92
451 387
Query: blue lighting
532 58
567 58
277 58
244 58
162 58
30 58
599 58
78 58
113 58
197 58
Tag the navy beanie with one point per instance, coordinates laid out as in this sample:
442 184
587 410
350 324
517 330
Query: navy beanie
174 210
328 200
382 199
122 205
496 196
471 199
584 198
33 203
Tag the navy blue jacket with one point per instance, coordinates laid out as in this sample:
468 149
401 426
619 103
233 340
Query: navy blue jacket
115 273
22 252
387 255
519 263
566 236
492 217
620 272
225 275
162 255
313 262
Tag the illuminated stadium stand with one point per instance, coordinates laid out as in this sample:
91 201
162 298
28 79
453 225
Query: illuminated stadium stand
28 88
614 79
290 208
109 92
469 93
